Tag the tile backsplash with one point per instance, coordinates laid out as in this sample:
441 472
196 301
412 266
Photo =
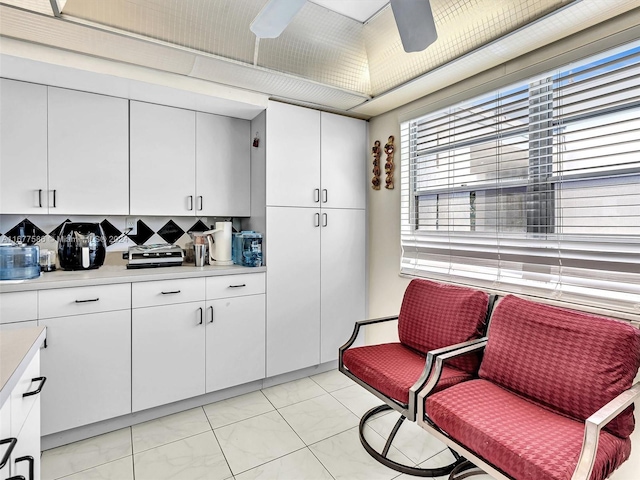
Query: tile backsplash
43 230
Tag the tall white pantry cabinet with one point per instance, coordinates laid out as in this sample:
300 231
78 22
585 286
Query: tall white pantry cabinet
316 225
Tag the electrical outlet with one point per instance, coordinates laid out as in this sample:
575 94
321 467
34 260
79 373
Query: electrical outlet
131 224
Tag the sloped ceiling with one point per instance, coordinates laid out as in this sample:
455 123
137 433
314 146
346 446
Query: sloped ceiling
323 58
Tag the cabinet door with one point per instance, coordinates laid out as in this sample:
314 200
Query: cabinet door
5 433
23 148
87 363
88 153
168 354
28 445
223 166
163 163
344 161
235 341
293 156
293 289
343 286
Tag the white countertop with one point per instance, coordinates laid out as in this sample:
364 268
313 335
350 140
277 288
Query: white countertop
17 348
110 274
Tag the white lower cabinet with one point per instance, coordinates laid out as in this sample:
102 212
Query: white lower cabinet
20 423
168 360
87 363
316 280
342 278
183 350
25 460
235 341
293 298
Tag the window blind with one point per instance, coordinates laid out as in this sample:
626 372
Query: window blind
532 189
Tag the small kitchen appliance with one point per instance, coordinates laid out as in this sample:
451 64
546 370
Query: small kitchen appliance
81 246
19 262
220 244
156 255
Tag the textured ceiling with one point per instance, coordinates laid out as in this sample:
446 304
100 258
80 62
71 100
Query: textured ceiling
323 58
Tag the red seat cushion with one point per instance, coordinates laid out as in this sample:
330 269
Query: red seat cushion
392 369
573 362
435 315
525 440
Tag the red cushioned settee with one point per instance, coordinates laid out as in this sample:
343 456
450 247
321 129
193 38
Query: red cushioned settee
553 398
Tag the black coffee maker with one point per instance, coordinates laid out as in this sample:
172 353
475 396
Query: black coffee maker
81 246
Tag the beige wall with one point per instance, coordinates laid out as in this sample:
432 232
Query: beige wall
386 287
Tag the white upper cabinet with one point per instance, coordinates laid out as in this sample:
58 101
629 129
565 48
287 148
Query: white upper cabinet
223 166
23 147
293 156
315 158
88 153
162 149
344 161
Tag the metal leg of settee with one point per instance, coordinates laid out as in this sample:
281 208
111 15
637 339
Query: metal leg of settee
398 467
464 470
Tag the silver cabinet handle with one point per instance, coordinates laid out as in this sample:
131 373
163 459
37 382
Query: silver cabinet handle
324 220
325 195
201 318
316 195
211 309
190 202
317 218
200 201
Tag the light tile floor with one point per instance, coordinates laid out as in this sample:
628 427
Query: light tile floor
306 429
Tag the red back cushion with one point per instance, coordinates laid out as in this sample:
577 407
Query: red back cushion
435 315
570 361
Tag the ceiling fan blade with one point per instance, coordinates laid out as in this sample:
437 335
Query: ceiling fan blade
415 24
274 17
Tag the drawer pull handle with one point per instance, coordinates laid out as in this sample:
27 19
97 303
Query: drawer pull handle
89 300
42 381
27 458
201 319
17 477
238 286
211 308
170 293
12 444
40 198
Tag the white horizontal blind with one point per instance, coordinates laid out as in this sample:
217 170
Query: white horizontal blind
532 189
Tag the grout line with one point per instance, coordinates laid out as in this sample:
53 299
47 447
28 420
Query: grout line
133 462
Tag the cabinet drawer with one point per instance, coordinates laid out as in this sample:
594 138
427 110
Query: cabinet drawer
235 285
21 406
18 307
78 301
165 292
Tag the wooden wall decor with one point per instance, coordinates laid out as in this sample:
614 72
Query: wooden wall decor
389 149
375 151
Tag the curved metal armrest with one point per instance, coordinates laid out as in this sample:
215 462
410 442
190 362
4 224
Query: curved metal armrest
356 330
438 361
428 366
592 428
